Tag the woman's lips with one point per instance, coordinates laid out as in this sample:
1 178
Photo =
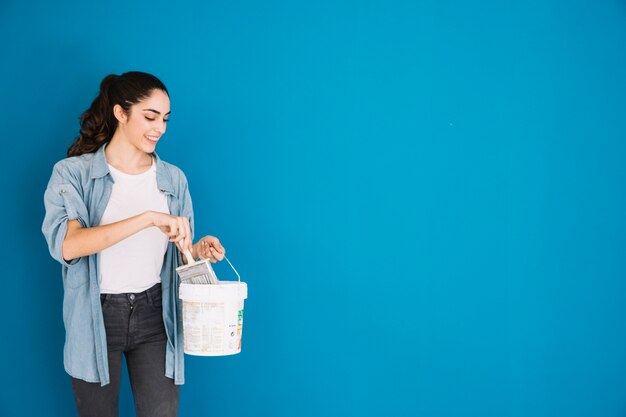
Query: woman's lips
151 141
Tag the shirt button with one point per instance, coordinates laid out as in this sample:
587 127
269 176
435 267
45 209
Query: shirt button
132 297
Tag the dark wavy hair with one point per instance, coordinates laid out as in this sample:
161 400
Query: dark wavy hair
97 123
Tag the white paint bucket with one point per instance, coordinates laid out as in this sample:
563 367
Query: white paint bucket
213 317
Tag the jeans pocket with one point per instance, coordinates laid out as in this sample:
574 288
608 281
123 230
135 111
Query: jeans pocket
104 300
156 301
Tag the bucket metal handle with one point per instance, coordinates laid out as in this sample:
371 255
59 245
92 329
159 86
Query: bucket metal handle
231 265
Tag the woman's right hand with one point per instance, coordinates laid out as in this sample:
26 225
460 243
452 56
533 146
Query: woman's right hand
175 227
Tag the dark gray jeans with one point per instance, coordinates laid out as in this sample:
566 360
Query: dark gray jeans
134 328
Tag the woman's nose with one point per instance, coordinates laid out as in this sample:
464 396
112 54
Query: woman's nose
162 127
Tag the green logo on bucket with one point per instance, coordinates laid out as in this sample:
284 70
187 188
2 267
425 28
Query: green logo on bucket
239 326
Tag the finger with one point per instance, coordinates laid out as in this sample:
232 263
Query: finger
188 232
217 245
173 225
181 232
218 256
206 250
179 225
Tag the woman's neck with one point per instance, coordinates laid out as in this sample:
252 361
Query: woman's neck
125 157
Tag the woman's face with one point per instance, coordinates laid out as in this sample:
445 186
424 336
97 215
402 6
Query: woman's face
146 122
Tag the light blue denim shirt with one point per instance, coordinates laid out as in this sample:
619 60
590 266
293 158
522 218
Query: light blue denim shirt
79 188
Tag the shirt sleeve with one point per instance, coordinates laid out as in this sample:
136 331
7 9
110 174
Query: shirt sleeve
63 201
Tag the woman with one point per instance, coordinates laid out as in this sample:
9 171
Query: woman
117 219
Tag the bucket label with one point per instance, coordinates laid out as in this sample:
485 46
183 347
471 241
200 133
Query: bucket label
203 326
212 328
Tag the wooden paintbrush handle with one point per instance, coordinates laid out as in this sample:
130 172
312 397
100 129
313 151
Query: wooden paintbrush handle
188 256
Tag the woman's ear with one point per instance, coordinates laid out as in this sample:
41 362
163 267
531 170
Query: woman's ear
119 113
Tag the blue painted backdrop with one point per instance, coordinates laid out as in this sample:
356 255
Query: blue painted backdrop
427 199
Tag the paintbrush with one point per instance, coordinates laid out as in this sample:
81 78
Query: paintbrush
196 272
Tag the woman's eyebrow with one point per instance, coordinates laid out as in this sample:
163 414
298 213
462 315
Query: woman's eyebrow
156 111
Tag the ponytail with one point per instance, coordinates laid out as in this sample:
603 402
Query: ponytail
98 123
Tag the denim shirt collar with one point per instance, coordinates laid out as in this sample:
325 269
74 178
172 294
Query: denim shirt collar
100 168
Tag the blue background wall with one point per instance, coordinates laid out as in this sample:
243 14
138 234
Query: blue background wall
426 198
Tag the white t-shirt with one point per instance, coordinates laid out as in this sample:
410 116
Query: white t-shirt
133 264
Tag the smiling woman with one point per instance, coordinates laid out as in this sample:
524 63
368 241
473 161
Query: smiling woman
120 92
117 219
142 124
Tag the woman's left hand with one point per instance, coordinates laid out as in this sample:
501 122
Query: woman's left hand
209 247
